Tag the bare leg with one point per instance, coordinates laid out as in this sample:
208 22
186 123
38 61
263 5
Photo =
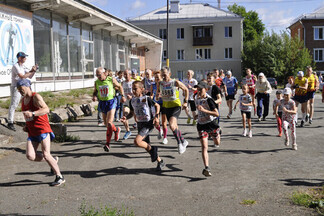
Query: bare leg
31 152
204 150
46 149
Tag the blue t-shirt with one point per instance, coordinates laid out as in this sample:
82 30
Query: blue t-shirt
230 84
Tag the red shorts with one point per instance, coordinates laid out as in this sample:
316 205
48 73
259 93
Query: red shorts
252 91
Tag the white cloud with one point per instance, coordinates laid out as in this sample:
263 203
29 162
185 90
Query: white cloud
275 19
138 4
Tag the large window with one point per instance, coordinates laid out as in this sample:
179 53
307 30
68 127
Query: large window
99 60
75 50
164 55
228 31
180 54
202 35
87 51
180 33
318 55
318 33
228 53
163 33
107 49
203 54
121 55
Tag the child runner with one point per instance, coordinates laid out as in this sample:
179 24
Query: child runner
127 86
213 91
278 114
231 90
39 131
146 112
168 88
246 105
104 90
250 81
190 83
289 111
207 123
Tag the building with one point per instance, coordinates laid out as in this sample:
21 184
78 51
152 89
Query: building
201 37
69 39
310 29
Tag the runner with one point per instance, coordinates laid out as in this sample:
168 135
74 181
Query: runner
104 89
246 105
278 114
250 81
38 128
301 85
313 85
190 82
134 75
120 79
290 84
289 111
263 96
231 90
148 81
219 82
172 105
207 123
146 112
214 91
127 86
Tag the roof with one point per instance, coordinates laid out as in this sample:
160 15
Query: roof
187 11
316 14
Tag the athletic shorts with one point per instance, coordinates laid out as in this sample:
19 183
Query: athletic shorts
192 105
144 128
172 112
210 129
106 106
230 97
247 114
252 91
310 95
300 99
40 138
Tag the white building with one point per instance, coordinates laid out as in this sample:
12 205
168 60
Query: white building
68 39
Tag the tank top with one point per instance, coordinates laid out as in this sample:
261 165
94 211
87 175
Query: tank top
36 125
148 83
170 94
204 118
127 86
142 109
191 83
250 82
311 83
301 83
106 90
157 100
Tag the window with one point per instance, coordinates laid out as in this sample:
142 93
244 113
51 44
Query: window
299 34
99 60
180 54
180 33
163 33
121 55
207 53
203 54
87 51
164 55
318 55
228 53
228 31
107 49
203 31
318 33
199 54
75 48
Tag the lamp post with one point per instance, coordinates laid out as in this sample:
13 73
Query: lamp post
167 35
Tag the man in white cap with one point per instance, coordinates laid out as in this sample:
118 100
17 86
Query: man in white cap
264 89
231 90
301 85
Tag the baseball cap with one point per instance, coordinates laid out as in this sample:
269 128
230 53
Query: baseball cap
300 73
287 91
261 74
134 71
23 82
278 92
201 84
21 54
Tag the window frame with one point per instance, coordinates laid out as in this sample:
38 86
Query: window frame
228 52
163 34
314 54
228 32
314 32
180 32
181 54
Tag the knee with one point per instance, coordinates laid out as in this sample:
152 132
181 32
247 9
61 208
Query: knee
173 127
46 155
137 141
31 157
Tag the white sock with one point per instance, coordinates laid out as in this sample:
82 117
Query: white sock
304 116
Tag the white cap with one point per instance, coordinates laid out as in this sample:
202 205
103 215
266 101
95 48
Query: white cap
300 73
228 72
287 91
261 74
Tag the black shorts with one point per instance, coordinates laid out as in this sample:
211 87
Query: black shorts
310 95
144 128
230 97
300 99
192 105
211 129
172 112
247 114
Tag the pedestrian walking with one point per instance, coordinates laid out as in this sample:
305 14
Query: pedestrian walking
264 89
278 113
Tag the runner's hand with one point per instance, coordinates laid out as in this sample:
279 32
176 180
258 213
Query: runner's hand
123 100
184 106
123 119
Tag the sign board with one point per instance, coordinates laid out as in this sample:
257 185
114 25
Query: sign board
16 33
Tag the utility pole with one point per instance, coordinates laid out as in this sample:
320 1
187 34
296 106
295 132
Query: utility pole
167 35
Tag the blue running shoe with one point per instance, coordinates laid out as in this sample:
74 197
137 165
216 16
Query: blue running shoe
127 135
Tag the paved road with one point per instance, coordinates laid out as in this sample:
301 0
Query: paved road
259 168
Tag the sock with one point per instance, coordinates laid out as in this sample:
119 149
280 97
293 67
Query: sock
304 116
165 131
158 127
108 134
177 135
113 127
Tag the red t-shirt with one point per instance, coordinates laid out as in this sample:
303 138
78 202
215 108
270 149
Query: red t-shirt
36 125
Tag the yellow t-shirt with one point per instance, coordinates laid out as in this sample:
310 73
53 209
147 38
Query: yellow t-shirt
170 94
137 78
311 83
301 83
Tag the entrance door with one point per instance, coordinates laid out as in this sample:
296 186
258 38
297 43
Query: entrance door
135 64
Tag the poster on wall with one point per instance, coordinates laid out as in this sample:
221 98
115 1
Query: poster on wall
16 33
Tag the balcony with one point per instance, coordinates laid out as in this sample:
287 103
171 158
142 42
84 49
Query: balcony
203 41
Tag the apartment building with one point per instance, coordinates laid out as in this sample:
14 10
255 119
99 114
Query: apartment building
201 37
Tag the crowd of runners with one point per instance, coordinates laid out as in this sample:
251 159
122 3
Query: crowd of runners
153 100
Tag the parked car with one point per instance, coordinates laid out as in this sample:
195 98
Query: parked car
273 82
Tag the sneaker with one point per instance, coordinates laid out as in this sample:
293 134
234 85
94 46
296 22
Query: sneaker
259 119
106 147
229 115
11 126
127 135
135 125
286 142
206 172
182 147
101 124
216 146
160 165
302 123
244 132
194 122
307 118
160 134
153 153
57 159
165 141
294 146
188 120
310 121
264 118
58 181
250 133
117 133
280 134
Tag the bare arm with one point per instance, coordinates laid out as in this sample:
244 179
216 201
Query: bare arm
95 93
209 112
219 99
38 102
184 89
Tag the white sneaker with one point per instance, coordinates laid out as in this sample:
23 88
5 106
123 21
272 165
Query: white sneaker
244 132
165 141
216 146
250 133
101 124
294 146
160 134
182 147
287 142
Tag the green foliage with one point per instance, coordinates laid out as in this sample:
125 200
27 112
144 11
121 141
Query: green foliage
310 198
79 92
5 103
104 211
66 138
248 202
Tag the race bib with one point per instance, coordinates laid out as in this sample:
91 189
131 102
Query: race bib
103 91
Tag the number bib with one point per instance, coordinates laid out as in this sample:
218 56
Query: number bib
103 91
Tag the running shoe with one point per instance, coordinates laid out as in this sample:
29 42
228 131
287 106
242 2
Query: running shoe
294 146
307 118
58 181
57 159
259 119
206 172
216 146
160 165
135 125
182 147
160 134
106 147
101 124
117 133
264 119
286 142
127 135
188 120
154 153
165 141
280 134
310 121
244 132
302 123
194 122
229 115
11 126
250 133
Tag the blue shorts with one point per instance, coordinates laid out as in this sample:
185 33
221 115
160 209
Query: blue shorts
300 99
106 106
310 95
41 137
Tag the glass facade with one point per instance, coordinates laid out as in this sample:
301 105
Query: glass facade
75 50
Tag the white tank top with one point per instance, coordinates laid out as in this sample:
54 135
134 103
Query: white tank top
168 90
204 118
142 110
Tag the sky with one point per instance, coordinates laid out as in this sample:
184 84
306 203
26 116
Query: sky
277 15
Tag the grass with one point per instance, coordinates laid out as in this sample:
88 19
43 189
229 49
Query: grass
104 211
248 202
310 198
5 104
66 138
